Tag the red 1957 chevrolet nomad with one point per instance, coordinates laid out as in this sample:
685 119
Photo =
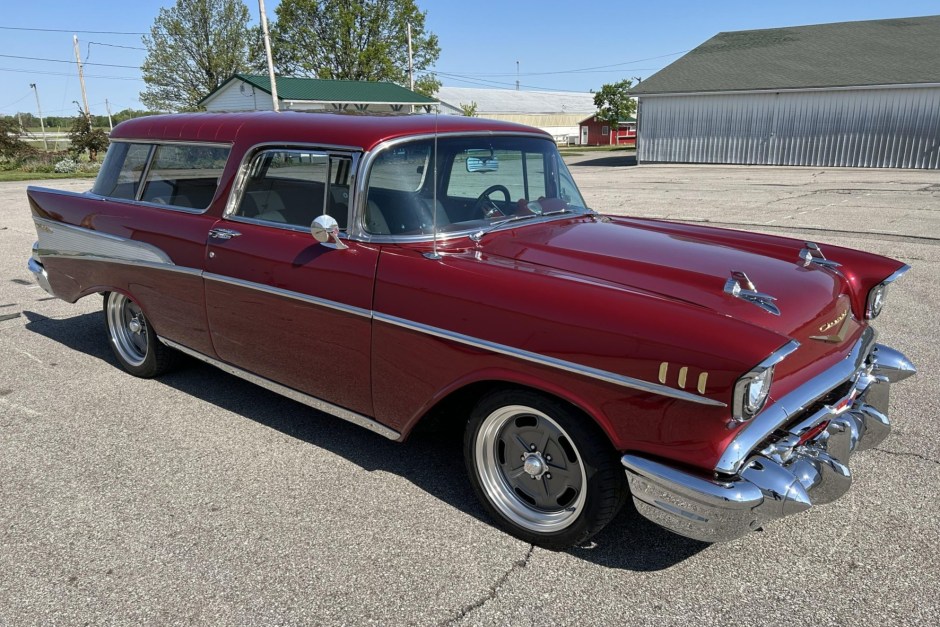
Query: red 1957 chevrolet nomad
376 268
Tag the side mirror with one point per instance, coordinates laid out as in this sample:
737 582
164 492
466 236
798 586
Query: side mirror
325 228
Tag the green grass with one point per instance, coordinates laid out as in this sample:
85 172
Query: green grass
19 175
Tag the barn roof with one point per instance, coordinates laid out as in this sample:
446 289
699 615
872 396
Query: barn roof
511 101
843 54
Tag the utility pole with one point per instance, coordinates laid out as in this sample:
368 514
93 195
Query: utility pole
517 76
411 66
267 50
107 107
42 124
81 77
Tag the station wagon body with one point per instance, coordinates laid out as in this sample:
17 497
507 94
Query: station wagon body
384 269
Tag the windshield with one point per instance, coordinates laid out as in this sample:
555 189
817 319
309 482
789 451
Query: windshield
473 183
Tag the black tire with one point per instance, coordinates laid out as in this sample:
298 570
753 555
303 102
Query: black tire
133 340
581 483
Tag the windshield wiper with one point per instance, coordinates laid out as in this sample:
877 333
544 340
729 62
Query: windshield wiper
476 237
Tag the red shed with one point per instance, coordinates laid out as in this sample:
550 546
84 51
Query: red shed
595 132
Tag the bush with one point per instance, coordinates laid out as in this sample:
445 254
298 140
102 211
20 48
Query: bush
66 166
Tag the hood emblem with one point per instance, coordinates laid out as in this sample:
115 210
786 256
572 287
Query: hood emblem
740 286
812 254
839 335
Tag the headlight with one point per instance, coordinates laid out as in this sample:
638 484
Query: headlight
751 392
753 389
876 297
757 391
876 300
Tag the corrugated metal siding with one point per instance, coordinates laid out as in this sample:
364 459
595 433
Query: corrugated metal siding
878 128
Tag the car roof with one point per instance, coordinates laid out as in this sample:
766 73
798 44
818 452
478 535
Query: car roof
334 129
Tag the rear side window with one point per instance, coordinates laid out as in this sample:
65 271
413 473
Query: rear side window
184 175
293 187
121 171
179 175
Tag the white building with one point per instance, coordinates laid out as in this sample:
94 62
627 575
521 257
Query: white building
555 112
251 92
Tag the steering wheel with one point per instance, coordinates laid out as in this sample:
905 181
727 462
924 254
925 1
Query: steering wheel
484 199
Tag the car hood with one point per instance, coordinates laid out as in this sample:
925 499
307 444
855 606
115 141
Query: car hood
689 264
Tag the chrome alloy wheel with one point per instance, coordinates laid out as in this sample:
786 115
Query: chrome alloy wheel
530 469
128 328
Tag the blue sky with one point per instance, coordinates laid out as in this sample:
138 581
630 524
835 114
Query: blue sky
481 40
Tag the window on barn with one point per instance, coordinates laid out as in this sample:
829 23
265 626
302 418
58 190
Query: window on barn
605 130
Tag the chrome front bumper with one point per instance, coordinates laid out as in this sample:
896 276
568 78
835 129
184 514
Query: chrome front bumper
784 475
39 272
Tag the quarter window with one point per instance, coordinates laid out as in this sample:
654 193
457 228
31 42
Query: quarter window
293 187
184 175
121 171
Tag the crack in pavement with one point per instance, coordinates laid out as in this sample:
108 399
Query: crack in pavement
492 591
906 454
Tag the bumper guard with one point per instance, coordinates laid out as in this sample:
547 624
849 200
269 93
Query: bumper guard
806 467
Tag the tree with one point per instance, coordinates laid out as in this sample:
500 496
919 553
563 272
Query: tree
83 137
191 49
12 145
469 110
614 104
360 40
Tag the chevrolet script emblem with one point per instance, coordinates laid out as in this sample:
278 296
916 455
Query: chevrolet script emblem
839 335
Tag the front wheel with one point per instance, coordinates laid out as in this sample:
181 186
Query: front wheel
541 469
133 339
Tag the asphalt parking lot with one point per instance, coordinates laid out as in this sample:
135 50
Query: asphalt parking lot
199 498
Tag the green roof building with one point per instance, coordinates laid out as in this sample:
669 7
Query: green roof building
858 94
252 92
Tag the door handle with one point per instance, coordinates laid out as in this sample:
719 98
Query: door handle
218 233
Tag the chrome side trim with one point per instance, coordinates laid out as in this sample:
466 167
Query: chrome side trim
552 362
68 240
283 390
897 274
167 267
785 408
322 302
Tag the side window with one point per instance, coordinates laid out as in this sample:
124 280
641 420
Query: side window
295 186
605 130
121 171
184 175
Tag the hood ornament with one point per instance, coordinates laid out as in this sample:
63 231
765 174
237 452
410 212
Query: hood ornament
740 286
812 254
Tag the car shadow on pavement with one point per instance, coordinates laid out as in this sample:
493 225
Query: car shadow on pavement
629 542
608 162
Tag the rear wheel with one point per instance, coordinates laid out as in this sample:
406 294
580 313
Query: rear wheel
542 470
133 339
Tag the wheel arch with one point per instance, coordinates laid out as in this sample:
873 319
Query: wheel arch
465 392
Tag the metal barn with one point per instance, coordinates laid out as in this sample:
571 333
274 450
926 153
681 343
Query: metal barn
855 94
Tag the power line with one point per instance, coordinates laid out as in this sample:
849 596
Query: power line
69 74
70 30
100 43
13 56
595 68
16 101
